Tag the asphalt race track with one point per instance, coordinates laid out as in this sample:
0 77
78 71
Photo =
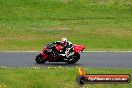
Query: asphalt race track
88 59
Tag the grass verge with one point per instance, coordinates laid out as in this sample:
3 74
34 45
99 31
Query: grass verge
99 24
56 77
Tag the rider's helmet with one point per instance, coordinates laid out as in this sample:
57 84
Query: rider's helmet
63 41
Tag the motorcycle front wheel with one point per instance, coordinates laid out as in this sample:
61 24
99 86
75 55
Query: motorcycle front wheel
39 59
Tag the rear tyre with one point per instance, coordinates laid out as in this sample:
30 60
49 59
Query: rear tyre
39 59
74 58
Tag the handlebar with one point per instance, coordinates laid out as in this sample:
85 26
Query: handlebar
50 45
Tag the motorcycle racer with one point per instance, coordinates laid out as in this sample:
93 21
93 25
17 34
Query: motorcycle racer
60 51
67 47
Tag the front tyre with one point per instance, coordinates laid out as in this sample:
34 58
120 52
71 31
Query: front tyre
74 58
39 59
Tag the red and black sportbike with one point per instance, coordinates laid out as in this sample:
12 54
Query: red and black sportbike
50 54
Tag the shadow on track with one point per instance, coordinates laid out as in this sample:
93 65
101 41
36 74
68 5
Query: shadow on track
57 64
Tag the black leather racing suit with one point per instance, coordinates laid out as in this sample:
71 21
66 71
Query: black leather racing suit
66 49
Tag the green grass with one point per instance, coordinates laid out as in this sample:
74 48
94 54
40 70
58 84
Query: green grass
100 25
58 77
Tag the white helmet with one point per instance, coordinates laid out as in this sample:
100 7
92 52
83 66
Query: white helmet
63 41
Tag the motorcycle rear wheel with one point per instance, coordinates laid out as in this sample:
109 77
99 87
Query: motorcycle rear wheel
75 57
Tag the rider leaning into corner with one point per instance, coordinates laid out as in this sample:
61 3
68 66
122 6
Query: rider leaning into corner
67 47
